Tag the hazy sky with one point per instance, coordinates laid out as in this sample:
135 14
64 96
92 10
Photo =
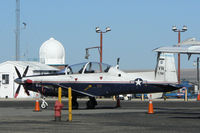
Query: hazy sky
138 26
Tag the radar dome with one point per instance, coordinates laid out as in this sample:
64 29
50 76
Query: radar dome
52 52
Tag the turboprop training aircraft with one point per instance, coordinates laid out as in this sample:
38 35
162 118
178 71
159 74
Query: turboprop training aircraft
94 79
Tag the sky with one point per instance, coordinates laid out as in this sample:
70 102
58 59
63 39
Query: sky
137 27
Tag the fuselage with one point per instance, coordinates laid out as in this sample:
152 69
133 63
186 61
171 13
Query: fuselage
106 81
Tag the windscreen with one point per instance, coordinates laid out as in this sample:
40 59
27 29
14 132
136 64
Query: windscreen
95 67
90 67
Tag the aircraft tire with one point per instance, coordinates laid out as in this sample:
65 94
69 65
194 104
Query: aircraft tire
75 105
90 105
43 106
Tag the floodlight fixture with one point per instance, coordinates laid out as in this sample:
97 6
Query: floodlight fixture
184 28
174 28
98 29
108 29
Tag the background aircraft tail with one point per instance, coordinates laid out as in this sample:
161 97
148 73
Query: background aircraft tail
165 68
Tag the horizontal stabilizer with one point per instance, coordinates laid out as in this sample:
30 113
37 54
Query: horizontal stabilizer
155 95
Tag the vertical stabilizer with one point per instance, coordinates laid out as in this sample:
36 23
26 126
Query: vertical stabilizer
165 68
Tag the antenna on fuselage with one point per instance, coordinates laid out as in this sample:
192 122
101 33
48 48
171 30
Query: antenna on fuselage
117 63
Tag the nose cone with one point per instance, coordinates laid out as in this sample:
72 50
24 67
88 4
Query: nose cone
18 81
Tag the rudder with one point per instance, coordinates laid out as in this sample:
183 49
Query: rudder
165 68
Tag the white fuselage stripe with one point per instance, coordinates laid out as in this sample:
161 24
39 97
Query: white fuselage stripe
122 82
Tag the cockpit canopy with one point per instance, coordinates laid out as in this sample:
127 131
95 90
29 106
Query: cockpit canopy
89 67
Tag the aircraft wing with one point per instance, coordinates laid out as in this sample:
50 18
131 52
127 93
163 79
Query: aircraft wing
182 50
188 49
80 92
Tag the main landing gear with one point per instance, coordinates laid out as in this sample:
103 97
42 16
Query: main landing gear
74 102
91 103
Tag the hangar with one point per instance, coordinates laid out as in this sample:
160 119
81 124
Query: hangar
8 74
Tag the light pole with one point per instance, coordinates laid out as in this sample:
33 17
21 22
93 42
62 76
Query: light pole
198 73
101 40
174 28
17 32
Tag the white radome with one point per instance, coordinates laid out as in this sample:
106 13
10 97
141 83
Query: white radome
52 52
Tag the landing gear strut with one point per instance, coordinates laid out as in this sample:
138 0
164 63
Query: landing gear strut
74 102
91 103
44 104
118 102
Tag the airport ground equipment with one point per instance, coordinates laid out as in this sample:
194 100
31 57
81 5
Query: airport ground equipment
70 104
60 94
57 108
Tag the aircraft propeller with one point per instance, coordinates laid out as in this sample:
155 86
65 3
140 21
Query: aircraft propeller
19 78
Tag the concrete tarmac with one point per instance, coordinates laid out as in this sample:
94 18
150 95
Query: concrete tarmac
170 117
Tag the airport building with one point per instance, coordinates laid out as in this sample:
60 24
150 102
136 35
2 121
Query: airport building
8 75
52 59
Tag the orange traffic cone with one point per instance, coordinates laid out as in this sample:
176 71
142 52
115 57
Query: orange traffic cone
37 106
198 97
150 111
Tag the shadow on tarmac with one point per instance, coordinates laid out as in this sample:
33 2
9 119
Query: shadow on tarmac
186 117
96 108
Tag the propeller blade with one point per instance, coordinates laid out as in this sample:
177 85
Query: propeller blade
25 72
20 77
18 73
17 91
26 90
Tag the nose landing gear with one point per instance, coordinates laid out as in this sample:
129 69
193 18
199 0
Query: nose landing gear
44 104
